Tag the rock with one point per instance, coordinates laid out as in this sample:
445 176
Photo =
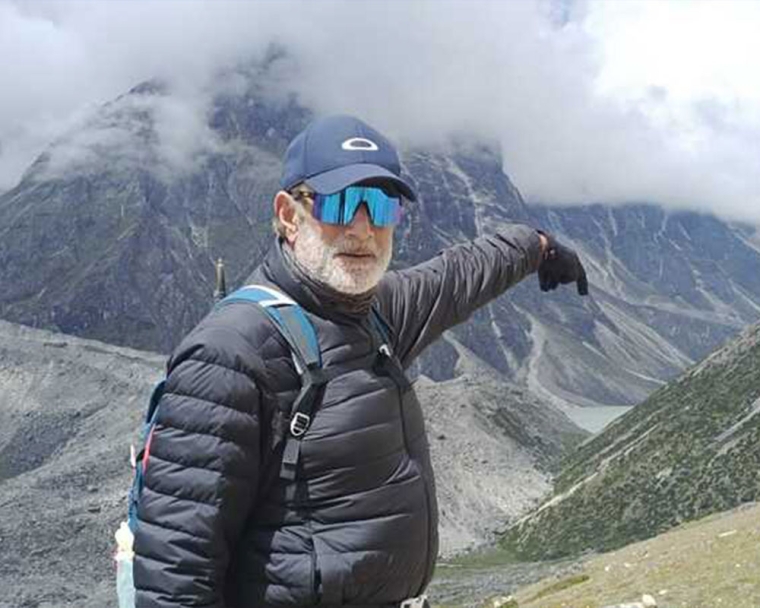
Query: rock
647 601
503 601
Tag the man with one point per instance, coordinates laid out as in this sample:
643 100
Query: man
355 522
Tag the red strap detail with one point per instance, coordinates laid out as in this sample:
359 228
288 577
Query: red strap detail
146 455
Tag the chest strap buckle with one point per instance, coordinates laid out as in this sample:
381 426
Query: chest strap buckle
299 424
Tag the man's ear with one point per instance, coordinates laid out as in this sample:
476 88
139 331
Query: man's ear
285 211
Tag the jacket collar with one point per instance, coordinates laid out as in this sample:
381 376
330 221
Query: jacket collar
279 269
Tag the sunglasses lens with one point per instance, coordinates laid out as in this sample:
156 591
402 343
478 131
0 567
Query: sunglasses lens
327 208
339 208
385 210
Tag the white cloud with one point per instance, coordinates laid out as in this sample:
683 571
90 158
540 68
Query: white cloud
611 102
693 49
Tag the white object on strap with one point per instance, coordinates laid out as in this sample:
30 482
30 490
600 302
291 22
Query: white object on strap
421 601
278 299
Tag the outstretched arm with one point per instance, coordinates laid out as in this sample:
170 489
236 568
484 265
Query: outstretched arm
202 472
423 301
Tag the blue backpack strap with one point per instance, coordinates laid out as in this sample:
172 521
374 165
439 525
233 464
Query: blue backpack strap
387 362
381 326
289 318
295 327
141 458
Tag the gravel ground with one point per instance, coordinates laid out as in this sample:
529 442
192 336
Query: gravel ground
470 586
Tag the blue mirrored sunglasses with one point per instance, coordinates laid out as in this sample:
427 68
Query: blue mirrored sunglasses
340 207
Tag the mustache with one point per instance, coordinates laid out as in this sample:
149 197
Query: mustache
357 252
356 249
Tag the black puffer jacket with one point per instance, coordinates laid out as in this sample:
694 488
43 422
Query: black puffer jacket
219 528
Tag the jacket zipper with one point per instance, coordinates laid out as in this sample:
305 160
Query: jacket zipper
385 352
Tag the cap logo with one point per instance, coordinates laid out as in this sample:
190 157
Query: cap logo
359 143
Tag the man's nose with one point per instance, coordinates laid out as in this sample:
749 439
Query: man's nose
361 224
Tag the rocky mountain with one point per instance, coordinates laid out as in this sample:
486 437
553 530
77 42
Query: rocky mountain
70 407
691 449
112 234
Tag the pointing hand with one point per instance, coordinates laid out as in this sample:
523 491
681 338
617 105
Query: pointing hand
560 265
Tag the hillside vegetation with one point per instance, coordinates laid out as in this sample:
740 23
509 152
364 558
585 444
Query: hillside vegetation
691 449
704 564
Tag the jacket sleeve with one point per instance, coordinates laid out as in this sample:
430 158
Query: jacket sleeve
423 301
202 471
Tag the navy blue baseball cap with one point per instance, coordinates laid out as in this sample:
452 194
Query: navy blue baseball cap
338 151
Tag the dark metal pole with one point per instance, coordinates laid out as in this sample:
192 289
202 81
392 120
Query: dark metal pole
221 283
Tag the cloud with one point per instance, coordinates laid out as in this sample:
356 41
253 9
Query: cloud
147 129
592 101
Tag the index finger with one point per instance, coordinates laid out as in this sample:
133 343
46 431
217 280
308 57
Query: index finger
582 281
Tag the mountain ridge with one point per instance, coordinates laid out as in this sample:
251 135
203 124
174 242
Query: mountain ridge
121 249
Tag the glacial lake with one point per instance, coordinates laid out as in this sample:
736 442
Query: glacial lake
594 419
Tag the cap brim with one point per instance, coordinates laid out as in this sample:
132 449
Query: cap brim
342 177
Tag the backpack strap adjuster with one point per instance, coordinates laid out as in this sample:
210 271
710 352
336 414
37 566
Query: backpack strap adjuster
299 424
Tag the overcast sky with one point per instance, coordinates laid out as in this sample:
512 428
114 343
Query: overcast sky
611 101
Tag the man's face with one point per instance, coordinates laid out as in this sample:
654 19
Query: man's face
351 258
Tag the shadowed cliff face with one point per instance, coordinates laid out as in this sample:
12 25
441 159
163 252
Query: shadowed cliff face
117 244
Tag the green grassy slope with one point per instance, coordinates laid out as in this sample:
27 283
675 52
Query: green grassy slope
691 449
703 564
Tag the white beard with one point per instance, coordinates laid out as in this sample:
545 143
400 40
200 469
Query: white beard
345 275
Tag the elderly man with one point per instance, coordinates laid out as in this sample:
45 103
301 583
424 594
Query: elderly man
340 511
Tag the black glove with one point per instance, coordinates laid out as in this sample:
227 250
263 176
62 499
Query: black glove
559 266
